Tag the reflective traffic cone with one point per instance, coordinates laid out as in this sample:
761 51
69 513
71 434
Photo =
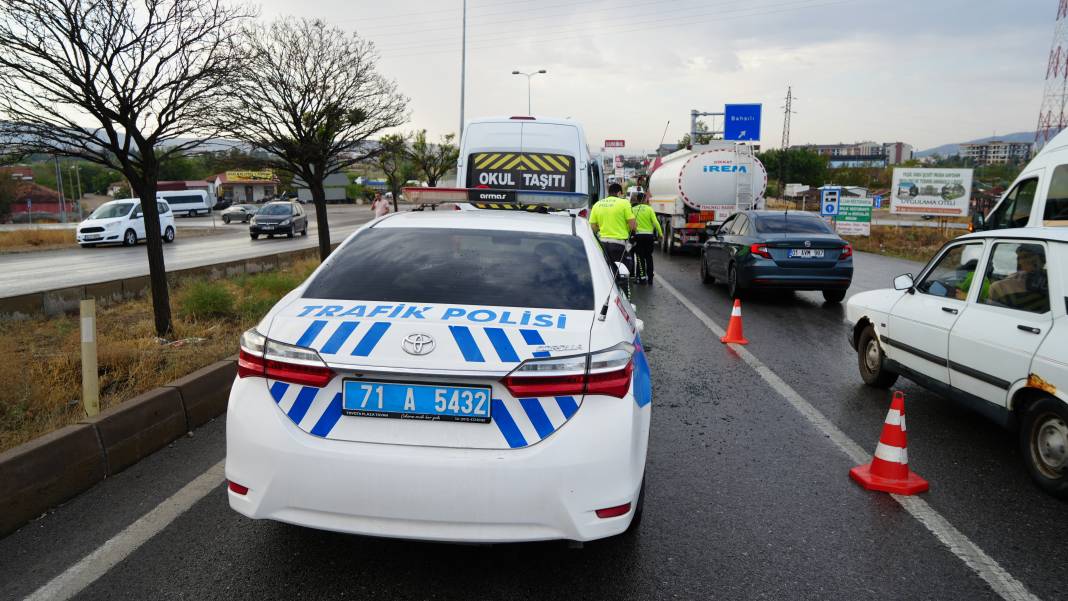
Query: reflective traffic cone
734 327
889 468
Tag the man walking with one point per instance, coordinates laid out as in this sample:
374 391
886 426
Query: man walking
648 232
613 222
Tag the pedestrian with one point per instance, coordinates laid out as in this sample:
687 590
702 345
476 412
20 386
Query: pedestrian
612 221
380 205
647 232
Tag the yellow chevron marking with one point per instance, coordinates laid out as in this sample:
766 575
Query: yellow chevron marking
484 159
513 162
504 159
530 163
555 162
540 160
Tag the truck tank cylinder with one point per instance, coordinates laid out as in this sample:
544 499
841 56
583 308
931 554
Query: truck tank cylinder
707 176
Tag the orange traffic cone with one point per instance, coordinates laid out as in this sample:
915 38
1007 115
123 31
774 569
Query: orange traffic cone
734 327
889 468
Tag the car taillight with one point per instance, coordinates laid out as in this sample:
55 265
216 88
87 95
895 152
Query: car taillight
760 250
606 372
584 213
846 252
263 358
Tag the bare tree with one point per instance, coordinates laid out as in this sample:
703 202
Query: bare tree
125 84
394 161
310 96
434 160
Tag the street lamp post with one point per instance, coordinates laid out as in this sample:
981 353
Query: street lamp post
528 76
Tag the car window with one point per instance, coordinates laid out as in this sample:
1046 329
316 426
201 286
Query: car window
790 223
137 212
454 266
741 226
951 276
162 208
725 229
1057 197
1015 210
1016 277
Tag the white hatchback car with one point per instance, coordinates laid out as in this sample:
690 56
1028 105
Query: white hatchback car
984 323
123 222
456 376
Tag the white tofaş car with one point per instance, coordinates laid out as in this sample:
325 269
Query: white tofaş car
452 375
984 323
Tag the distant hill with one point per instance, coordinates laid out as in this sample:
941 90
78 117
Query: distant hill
946 150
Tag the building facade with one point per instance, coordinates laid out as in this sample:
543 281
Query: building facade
863 154
996 152
245 186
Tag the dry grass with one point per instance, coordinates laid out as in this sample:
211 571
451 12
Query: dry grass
22 240
914 243
42 387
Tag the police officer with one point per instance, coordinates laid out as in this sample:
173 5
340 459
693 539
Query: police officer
613 222
648 232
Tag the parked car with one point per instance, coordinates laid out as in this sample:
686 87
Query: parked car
241 212
121 221
279 217
984 323
777 249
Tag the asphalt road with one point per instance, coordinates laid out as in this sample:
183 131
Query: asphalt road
23 273
745 499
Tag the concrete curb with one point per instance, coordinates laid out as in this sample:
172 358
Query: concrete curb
47 471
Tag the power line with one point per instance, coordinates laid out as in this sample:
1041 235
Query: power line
688 20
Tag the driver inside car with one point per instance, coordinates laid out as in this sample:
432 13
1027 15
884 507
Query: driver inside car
1024 289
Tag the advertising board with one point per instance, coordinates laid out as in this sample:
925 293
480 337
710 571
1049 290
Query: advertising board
940 192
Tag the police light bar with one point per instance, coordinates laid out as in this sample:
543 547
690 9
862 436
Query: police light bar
504 199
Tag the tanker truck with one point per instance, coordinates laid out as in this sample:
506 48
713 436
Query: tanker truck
693 188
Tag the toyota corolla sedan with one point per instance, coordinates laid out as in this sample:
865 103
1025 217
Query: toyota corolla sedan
778 249
456 376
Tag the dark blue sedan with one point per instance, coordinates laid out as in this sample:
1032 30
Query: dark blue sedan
778 249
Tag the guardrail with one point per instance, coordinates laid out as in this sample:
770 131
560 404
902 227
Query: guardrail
66 300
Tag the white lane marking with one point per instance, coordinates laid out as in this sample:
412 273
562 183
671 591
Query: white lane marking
91 567
960 545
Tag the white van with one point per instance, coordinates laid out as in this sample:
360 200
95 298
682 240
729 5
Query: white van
1038 197
188 202
528 153
121 221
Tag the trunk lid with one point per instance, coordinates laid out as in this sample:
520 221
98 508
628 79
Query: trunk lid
427 344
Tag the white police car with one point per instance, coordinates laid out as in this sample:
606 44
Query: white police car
456 376
985 323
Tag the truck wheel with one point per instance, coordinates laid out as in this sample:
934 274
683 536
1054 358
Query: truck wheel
870 361
1044 444
669 240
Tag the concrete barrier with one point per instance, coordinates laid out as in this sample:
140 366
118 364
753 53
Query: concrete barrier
205 392
139 427
46 472
65 300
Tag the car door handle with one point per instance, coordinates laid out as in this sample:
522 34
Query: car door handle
950 310
1029 329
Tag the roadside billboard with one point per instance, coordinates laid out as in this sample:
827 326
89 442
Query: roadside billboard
940 192
854 216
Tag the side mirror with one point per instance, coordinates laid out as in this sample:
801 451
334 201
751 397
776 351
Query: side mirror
978 221
136 216
621 270
903 282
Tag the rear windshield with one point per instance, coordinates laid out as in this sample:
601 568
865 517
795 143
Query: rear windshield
463 267
790 224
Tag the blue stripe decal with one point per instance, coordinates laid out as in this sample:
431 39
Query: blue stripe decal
502 345
302 404
537 416
338 338
467 345
329 418
567 405
541 354
532 337
506 424
278 390
313 330
643 383
370 339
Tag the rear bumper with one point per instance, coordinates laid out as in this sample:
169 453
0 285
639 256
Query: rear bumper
549 490
831 278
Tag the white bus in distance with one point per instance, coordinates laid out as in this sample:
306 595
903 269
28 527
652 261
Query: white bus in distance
528 153
188 202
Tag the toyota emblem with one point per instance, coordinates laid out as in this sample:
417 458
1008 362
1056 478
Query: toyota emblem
418 344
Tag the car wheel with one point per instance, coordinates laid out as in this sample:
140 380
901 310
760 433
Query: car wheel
706 278
255 236
168 235
834 296
129 238
733 289
226 219
870 359
304 232
1044 443
289 234
270 236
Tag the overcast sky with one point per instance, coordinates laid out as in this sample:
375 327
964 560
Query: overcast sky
926 72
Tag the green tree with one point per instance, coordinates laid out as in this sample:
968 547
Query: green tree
393 159
802 166
705 138
433 160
